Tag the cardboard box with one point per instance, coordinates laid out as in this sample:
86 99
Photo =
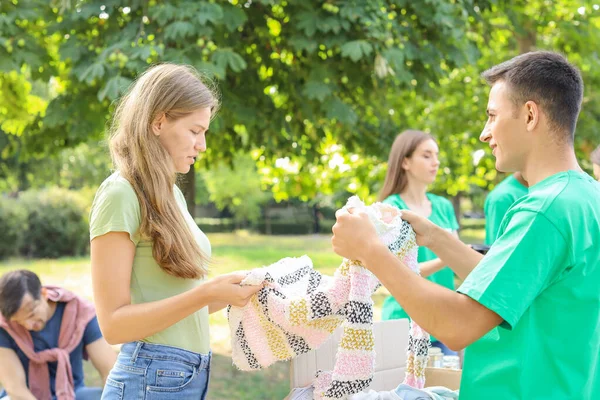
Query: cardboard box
449 378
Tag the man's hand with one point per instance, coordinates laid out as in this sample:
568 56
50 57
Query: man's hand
459 257
424 228
354 235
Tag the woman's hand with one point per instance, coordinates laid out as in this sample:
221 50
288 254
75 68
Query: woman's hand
227 289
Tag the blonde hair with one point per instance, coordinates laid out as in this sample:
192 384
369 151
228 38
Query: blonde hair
173 91
404 146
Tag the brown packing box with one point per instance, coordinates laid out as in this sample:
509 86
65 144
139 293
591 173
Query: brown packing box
391 340
446 377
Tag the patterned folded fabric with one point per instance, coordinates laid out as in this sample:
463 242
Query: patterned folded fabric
299 308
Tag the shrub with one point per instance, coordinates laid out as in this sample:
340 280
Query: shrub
215 225
283 227
326 225
57 224
13 224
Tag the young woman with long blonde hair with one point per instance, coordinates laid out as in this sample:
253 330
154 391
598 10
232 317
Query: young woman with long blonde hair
149 259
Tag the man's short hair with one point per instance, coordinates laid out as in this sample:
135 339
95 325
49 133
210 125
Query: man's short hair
14 286
595 156
548 79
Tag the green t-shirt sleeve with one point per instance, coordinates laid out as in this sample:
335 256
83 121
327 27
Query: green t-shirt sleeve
523 261
393 200
495 210
115 209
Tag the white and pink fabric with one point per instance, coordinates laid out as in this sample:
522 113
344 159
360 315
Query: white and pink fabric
299 308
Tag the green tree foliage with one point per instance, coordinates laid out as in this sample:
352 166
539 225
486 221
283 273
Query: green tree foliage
454 108
238 188
287 70
304 79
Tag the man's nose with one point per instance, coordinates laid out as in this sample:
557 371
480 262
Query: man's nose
485 134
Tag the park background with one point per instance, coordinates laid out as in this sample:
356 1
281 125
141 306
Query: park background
313 93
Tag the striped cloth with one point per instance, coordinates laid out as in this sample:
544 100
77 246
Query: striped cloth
300 308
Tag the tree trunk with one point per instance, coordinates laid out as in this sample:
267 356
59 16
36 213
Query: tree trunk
23 183
316 212
456 203
267 219
527 41
189 190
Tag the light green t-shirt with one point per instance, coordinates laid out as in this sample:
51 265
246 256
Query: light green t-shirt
442 214
542 276
116 209
497 203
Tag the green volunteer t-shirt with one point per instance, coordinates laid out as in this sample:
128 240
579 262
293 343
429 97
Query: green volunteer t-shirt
542 276
116 209
442 214
497 203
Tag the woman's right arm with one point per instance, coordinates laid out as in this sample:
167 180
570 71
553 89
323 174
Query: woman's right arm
120 321
430 267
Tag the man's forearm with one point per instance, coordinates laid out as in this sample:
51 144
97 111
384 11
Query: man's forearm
459 257
441 312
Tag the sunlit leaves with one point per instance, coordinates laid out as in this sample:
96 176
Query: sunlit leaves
356 49
115 86
92 72
315 90
227 58
233 17
179 30
212 12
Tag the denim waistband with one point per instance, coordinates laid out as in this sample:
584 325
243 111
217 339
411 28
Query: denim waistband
163 352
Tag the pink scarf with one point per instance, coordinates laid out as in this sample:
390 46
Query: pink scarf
78 313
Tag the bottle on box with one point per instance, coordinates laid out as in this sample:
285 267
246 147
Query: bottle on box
436 358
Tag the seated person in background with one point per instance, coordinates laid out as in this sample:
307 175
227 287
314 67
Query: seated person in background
45 333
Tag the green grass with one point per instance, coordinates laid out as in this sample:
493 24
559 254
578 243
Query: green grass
472 236
231 252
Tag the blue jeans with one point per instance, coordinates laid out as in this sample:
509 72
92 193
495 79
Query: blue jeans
157 372
88 393
445 350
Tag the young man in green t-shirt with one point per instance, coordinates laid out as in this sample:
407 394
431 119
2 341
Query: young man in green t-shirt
528 312
499 200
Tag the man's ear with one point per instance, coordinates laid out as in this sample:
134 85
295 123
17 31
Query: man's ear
158 124
532 115
44 293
